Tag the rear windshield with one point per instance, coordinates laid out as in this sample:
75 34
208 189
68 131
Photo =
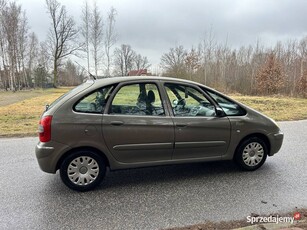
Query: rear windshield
70 93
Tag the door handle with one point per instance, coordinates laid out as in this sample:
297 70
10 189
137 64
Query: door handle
181 125
117 123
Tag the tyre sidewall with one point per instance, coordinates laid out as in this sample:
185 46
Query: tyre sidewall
239 153
76 154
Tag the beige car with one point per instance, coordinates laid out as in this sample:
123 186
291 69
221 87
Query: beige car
129 122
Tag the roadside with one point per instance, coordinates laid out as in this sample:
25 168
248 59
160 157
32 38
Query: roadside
299 224
20 111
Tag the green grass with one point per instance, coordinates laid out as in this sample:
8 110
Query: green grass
20 111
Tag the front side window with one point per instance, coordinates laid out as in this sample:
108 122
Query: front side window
230 108
94 102
137 99
188 101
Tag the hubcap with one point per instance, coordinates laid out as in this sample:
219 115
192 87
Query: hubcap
253 154
83 170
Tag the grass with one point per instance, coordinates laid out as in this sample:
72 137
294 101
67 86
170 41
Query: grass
20 111
21 118
279 108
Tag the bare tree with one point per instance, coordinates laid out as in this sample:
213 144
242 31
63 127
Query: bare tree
192 62
141 62
96 36
123 59
62 35
85 31
174 61
10 22
110 38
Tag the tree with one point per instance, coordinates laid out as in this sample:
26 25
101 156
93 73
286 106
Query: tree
33 51
110 38
270 79
123 59
40 76
62 35
302 85
85 31
192 62
141 62
96 36
174 61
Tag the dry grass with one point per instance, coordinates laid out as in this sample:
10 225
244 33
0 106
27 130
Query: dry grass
20 111
279 108
21 118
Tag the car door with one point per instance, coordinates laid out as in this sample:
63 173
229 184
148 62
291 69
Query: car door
199 132
136 127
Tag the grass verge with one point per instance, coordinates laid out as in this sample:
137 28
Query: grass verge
21 118
20 111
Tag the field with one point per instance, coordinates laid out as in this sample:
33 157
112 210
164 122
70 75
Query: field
20 111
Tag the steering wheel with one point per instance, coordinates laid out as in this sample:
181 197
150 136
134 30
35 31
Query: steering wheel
181 102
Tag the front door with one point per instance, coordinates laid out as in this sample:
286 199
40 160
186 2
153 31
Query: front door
136 127
199 133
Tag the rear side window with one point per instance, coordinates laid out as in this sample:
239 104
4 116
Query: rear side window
70 93
138 99
94 102
230 108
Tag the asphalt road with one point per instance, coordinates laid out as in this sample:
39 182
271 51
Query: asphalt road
151 198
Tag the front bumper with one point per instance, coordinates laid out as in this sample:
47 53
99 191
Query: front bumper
276 140
48 154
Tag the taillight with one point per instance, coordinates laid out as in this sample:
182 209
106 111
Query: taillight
44 129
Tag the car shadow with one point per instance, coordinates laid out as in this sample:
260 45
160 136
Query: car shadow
167 174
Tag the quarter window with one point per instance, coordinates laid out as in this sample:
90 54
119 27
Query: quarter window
94 102
137 99
230 108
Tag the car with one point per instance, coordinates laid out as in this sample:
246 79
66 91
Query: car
130 122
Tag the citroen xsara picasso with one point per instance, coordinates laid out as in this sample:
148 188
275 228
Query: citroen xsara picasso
129 122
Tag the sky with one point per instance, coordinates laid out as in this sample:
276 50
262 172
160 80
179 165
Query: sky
152 27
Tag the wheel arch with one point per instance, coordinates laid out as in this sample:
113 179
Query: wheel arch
82 148
259 135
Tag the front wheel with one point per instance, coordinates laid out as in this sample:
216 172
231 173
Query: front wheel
82 170
251 154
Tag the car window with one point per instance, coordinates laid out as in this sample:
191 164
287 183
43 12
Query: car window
71 92
230 108
94 102
188 101
137 99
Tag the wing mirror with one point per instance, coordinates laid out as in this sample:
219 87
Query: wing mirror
219 112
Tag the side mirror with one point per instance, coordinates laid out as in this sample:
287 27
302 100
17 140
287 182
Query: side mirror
219 112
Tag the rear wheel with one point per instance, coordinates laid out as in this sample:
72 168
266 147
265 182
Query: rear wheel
82 170
251 154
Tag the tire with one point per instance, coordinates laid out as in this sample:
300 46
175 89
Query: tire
251 154
82 170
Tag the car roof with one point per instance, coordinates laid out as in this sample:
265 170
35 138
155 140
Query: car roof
113 80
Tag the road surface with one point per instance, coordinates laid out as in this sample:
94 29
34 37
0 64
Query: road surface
152 198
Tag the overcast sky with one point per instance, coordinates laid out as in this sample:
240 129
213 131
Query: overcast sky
151 27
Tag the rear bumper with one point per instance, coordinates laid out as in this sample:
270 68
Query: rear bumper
276 140
48 155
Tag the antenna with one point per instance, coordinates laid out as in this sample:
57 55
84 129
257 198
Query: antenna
86 71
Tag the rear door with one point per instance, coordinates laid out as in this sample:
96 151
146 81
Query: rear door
199 132
136 126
